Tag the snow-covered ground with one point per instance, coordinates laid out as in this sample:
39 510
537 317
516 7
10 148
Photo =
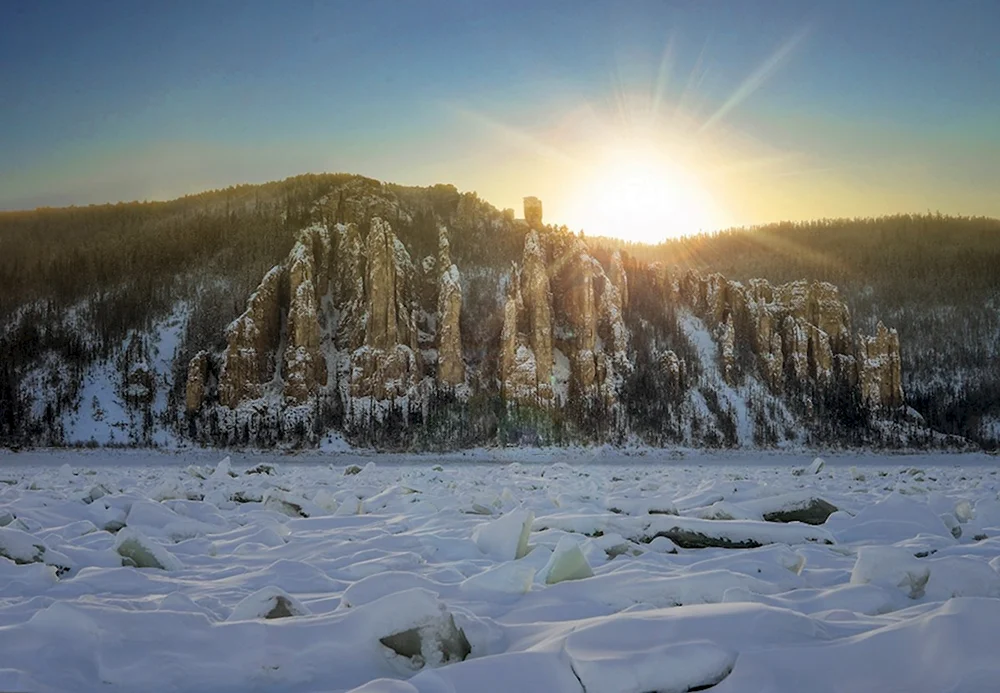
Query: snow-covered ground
573 570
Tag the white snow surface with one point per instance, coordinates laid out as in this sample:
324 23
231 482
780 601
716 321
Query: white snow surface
543 571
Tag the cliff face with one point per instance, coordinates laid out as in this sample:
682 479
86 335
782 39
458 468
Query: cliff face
567 306
304 364
252 339
879 370
358 321
386 365
425 318
799 334
196 383
344 299
451 365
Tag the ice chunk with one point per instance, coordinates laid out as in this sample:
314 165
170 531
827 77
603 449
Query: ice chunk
817 466
325 500
567 562
505 538
143 552
507 578
891 566
285 503
171 489
953 525
223 470
269 603
95 492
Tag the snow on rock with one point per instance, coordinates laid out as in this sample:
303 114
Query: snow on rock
802 506
21 548
505 538
142 552
567 562
415 626
287 504
268 603
693 533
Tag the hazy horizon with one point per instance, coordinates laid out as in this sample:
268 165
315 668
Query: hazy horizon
638 120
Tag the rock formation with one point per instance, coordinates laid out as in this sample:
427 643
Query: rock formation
537 299
800 333
197 377
451 365
533 212
879 368
569 304
304 364
349 287
252 339
614 299
386 365
580 313
138 386
349 323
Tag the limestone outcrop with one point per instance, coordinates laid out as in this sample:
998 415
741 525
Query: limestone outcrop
568 305
348 282
580 312
451 365
879 368
386 365
799 332
304 364
196 385
252 340
356 326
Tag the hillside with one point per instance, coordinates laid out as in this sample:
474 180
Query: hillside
328 306
934 278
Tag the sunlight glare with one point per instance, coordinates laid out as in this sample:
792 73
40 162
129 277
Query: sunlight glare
639 196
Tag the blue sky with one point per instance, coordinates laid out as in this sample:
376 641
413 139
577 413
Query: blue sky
818 107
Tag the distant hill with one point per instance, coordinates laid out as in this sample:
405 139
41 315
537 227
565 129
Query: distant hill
326 306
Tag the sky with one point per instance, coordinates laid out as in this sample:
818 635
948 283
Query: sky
670 116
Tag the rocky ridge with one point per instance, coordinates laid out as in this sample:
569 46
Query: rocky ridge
350 317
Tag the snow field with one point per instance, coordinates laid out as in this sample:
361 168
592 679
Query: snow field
440 576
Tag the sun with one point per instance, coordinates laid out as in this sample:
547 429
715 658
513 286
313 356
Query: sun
640 195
